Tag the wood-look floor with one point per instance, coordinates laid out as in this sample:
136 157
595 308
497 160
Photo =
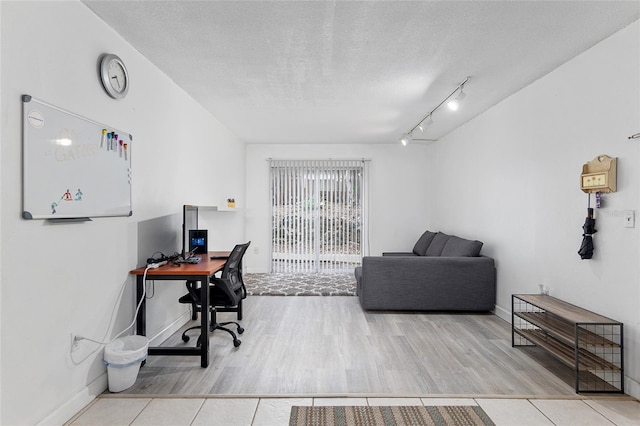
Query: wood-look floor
329 345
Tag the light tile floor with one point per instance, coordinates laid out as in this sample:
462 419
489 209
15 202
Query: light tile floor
272 411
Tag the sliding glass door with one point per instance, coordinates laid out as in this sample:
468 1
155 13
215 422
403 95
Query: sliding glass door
318 214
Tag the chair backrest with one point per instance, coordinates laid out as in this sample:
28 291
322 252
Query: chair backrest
232 273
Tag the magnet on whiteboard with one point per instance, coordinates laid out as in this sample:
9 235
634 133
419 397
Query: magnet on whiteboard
35 118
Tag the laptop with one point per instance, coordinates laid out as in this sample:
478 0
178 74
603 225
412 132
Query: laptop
191 258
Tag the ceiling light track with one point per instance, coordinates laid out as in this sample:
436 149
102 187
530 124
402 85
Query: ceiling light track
428 118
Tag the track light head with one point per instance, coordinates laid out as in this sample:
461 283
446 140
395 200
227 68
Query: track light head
429 120
461 95
406 139
454 104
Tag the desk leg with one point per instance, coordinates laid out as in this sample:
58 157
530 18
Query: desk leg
204 318
141 319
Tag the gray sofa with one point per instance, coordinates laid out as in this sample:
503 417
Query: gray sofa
442 273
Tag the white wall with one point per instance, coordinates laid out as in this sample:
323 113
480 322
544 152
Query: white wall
63 279
398 198
1 115
511 179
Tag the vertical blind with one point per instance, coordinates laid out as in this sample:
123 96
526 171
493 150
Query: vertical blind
318 214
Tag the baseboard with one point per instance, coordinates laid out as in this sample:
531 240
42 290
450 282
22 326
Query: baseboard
503 313
632 387
90 392
77 402
170 329
257 270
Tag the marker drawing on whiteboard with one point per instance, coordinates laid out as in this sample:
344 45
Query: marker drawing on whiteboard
66 197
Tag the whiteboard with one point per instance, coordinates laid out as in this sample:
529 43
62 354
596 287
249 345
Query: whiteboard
72 167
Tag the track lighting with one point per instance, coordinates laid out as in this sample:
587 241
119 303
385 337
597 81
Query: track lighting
406 139
427 120
454 103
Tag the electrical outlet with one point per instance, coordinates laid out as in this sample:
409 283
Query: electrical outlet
629 219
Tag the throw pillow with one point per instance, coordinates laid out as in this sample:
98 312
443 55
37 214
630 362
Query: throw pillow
437 244
423 243
457 247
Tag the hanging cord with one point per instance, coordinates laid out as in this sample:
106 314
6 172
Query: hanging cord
144 292
135 315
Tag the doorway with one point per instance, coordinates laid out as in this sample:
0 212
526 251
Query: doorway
319 215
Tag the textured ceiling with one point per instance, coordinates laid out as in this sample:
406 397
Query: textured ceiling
355 71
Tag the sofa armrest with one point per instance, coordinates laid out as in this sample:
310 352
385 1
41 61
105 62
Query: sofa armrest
428 283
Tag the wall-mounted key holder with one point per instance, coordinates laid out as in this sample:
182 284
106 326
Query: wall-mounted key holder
599 175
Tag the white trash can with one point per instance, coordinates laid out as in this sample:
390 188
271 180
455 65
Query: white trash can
123 358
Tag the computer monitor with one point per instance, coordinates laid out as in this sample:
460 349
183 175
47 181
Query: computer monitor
189 222
198 241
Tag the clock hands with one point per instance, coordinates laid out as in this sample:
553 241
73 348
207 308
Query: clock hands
112 68
117 80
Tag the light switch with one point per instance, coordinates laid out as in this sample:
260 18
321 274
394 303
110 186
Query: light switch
629 219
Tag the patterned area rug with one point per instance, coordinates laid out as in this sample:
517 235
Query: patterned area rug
388 416
279 284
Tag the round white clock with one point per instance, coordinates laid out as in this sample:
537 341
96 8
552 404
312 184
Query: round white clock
115 78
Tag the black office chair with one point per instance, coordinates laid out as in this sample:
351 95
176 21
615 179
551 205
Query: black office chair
225 295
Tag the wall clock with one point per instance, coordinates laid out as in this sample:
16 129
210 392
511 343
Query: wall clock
115 78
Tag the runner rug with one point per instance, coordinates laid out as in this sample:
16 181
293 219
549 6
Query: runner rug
300 284
388 416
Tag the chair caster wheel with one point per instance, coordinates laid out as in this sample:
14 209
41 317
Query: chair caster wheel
185 338
236 343
240 330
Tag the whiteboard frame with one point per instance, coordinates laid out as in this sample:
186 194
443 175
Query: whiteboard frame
28 212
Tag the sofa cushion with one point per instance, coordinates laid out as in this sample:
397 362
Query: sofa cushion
457 247
423 243
437 244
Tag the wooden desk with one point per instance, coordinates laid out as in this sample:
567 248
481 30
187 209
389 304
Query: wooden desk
200 271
